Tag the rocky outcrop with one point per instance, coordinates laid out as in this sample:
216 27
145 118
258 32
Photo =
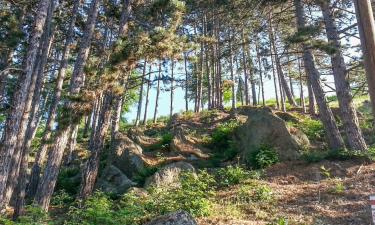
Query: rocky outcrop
177 218
263 127
185 145
169 175
138 136
128 156
114 181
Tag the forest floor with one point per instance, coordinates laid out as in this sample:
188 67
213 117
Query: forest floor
328 192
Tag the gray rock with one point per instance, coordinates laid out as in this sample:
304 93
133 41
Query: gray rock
177 218
114 181
263 127
128 156
168 176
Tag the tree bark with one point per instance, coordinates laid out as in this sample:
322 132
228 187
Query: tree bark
246 76
42 152
18 118
348 113
334 138
157 95
140 100
91 168
147 96
234 96
366 25
48 181
172 89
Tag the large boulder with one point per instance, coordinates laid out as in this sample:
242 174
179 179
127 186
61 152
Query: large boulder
113 180
176 218
263 127
128 156
169 175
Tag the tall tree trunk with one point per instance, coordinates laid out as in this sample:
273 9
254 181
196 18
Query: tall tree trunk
275 81
140 101
157 95
260 74
312 106
246 76
172 90
32 107
334 138
48 181
186 83
147 96
302 95
366 25
282 78
343 91
234 96
91 168
42 152
17 118
251 76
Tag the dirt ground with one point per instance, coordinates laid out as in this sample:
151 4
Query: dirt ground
305 193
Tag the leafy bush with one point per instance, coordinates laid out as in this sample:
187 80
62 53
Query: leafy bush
257 192
338 186
33 216
221 142
166 140
312 128
67 180
163 144
96 210
61 198
192 196
342 154
144 173
263 157
231 175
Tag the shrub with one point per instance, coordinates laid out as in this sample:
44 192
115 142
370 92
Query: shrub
313 156
144 173
221 142
265 156
166 140
257 192
66 181
338 186
96 210
312 128
33 216
194 194
61 198
231 175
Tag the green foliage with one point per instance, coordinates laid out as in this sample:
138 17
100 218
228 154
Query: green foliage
33 216
313 156
231 175
221 142
67 180
96 210
144 173
163 144
341 154
194 196
61 198
280 221
257 192
312 128
265 156
338 186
